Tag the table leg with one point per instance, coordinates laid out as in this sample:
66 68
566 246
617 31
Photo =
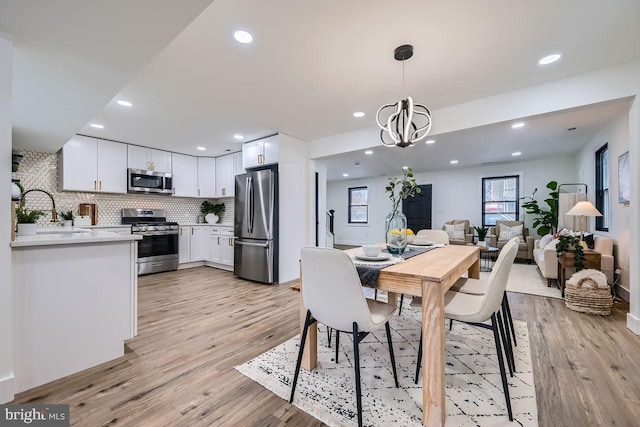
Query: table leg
474 270
310 355
433 357
392 298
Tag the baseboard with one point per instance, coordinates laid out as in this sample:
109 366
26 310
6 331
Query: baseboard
633 323
7 388
622 293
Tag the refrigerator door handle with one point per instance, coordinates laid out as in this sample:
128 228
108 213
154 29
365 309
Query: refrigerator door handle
259 245
246 202
251 205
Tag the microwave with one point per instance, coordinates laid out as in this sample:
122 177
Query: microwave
144 181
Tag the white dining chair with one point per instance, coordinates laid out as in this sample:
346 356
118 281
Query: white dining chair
436 236
332 295
476 309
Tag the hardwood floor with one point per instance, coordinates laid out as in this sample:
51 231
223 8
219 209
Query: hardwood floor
195 325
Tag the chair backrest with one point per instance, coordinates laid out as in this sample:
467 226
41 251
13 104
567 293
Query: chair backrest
498 279
332 291
436 236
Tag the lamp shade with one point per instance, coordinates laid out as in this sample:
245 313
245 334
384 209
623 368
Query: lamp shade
584 208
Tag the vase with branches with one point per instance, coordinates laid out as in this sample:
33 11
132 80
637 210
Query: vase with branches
398 189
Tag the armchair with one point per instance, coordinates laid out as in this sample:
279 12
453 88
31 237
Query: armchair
525 248
452 226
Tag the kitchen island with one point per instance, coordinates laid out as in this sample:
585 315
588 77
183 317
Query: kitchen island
75 300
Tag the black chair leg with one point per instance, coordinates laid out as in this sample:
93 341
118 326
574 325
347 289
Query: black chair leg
375 295
508 331
393 359
400 309
356 364
450 324
510 319
503 335
307 321
503 374
419 362
329 330
337 344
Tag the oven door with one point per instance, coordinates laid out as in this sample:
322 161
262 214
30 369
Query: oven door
157 244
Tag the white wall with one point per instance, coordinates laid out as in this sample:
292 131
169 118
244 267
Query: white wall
456 195
633 317
296 205
6 292
616 135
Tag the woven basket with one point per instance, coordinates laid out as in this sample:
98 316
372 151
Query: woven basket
589 300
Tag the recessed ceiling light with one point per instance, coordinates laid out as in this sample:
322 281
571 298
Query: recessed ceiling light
517 125
368 152
97 126
405 167
358 114
516 153
550 59
454 162
202 148
345 175
238 136
430 141
243 36
125 103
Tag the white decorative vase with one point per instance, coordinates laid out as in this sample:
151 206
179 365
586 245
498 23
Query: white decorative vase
27 229
211 218
67 223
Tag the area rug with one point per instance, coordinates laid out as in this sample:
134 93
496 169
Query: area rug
526 279
473 387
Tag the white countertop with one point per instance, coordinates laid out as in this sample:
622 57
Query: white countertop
206 224
71 236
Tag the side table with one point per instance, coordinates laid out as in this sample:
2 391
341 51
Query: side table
591 260
489 255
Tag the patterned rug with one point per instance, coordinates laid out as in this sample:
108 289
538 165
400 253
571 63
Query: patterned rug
473 387
526 279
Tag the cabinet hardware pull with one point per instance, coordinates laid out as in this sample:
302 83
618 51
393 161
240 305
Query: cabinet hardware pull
224 191
181 231
174 191
100 185
198 192
191 230
218 239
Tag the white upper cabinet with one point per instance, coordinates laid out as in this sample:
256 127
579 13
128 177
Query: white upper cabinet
261 152
225 177
91 164
238 169
149 159
206 177
185 175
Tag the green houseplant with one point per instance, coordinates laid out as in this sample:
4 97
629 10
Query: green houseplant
216 209
27 221
399 188
482 232
571 244
545 219
67 217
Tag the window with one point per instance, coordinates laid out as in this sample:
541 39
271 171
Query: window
358 205
602 188
500 196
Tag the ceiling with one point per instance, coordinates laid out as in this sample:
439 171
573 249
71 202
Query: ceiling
311 65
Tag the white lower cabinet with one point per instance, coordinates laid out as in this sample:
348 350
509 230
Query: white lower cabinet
184 245
190 247
212 244
221 239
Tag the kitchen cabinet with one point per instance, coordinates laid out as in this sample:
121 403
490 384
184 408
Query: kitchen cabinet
238 169
206 177
185 175
148 159
261 152
94 165
190 245
221 247
225 177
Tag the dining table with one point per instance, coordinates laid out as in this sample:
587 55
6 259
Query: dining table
428 275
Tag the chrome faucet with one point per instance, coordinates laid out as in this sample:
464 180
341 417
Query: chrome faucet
54 214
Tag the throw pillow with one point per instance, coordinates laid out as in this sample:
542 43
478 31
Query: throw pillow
507 233
552 245
544 241
455 231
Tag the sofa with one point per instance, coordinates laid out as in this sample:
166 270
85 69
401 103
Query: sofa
525 248
546 257
459 231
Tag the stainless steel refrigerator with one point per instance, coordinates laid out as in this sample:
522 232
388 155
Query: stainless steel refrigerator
256 226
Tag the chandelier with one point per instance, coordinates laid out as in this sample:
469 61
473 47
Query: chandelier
404 123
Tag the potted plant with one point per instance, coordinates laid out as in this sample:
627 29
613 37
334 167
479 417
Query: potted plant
27 221
396 222
67 217
546 220
212 211
482 234
571 244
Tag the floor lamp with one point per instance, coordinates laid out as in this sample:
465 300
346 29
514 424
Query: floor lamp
582 209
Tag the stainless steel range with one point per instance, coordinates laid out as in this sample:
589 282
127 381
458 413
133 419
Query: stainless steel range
158 249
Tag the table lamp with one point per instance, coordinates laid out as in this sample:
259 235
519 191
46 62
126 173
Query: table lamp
582 209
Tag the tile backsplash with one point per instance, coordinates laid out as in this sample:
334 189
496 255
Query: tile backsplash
40 170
